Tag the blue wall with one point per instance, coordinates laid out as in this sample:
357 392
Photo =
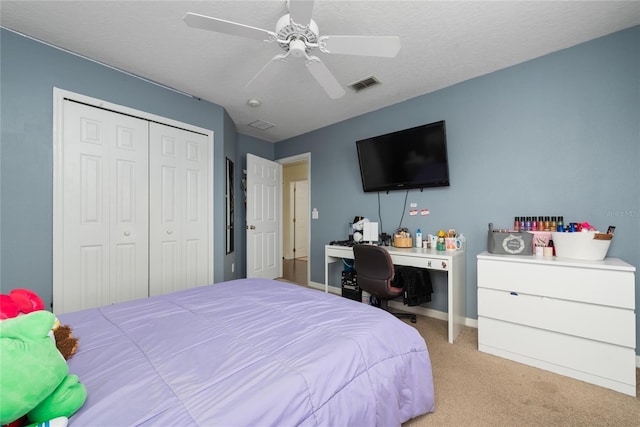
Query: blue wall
558 135
230 148
30 70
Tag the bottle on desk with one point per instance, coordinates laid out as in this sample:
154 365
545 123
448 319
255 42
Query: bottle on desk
418 239
461 242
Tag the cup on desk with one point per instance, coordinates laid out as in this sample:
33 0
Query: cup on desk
450 243
459 244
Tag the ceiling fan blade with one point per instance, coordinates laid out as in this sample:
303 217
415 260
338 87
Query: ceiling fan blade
300 11
382 46
324 77
271 69
203 22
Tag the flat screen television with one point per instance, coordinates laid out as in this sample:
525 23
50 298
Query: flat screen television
410 158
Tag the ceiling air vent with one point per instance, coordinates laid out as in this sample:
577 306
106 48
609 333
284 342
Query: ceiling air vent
364 84
261 124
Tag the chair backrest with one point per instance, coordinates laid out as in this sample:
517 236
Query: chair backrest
374 270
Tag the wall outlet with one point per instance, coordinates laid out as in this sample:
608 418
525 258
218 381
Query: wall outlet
233 267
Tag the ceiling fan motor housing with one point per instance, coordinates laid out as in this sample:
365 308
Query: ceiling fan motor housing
294 37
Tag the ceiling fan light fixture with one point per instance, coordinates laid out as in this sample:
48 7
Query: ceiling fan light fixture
253 103
297 48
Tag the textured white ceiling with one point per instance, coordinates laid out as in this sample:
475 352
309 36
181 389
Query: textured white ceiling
443 43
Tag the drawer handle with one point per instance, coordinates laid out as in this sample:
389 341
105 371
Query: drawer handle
514 293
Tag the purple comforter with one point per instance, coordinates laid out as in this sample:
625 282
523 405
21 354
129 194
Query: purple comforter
248 352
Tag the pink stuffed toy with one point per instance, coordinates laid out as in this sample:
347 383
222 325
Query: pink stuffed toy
19 301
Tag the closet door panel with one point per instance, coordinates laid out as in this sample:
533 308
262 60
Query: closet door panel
196 224
178 225
129 203
105 208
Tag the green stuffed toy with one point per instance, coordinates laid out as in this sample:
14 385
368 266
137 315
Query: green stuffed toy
34 378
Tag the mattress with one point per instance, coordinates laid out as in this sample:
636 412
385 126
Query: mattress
248 352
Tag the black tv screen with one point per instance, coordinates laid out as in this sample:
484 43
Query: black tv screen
410 158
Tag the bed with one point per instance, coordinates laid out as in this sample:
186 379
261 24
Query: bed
248 352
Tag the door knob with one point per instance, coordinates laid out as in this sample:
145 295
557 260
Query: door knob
169 231
127 233
251 227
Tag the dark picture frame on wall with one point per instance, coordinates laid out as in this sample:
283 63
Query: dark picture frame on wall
229 207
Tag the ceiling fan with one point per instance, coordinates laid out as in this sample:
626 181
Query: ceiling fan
298 35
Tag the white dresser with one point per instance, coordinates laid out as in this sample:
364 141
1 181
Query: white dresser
575 318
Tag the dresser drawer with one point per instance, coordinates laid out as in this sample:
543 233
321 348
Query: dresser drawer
597 322
592 285
594 361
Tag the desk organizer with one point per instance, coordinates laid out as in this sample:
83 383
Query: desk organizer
509 242
583 245
402 242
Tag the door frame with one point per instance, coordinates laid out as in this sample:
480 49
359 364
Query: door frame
291 227
59 96
293 159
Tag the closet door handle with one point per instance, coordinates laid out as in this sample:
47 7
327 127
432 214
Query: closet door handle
169 231
127 233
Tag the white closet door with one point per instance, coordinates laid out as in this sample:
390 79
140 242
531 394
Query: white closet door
178 224
105 208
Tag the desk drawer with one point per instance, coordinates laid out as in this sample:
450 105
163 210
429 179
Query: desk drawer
420 262
597 322
597 286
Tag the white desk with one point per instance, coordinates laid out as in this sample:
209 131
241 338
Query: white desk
451 262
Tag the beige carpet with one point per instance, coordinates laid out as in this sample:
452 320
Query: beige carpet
478 389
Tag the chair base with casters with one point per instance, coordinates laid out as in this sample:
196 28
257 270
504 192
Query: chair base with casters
383 304
375 272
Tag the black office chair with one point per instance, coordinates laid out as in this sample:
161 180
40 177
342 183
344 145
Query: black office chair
375 272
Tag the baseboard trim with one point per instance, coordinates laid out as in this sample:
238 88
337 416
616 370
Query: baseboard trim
428 312
320 286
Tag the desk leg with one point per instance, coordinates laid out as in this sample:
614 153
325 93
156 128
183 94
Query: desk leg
457 300
326 272
327 261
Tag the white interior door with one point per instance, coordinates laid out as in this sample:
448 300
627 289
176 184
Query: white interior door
301 219
178 224
264 247
104 202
